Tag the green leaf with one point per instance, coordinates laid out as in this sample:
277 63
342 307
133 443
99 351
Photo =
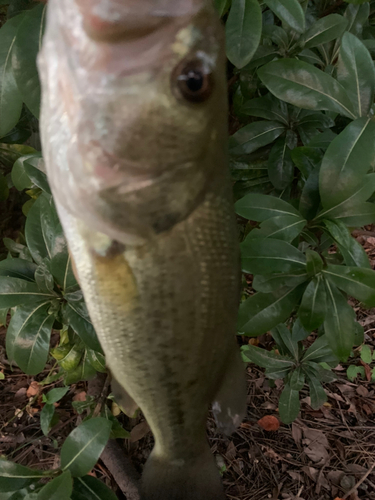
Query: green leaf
20 178
285 227
280 165
3 316
310 57
13 477
266 359
33 169
290 12
33 232
325 30
289 405
322 140
10 99
243 31
27 45
84 371
356 73
314 263
28 337
222 6
272 282
355 281
305 86
46 416
313 308
310 197
297 379
320 352
59 488
339 323
265 256
75 314
18 268
306 159
90 488
352 251
263 311
357 16
15 291
260 207
254 136
266 107
283 337
366 355
347 160
353 371
276 34
97 360
84 445
317 393
298 332
54 395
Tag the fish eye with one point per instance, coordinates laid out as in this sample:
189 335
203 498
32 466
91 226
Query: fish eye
193 80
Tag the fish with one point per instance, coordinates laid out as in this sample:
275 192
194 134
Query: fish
134 134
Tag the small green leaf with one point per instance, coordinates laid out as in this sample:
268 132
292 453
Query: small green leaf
262 256
18 268
263 311
366 355
313 308
284 339
339 323
15 291
289 405
273 282
280 165
325 30
75 314
317 393
320 352
305 86
243 31
46 416
254 136
97 360
290 12
355 281
33 168
356 73
90 488
84 445
13 477
260 207
297 379
266 359
298 332
306 159
314 263
266 107
353 371
59 488
54 395
284 227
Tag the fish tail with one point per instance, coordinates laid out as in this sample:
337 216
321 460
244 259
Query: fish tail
195 479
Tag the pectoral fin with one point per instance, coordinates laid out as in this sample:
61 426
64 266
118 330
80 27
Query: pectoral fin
229 405
126 402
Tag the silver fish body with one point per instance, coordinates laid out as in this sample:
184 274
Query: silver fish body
138 170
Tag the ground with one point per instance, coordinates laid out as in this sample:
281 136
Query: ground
323 455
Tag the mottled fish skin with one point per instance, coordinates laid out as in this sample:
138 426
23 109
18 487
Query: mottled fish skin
152 232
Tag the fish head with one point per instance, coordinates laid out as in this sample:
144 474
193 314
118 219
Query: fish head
134 110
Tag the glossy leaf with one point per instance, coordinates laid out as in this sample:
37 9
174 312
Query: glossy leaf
84 445
314 263
305 86
313 308
283 336
356 73
266 107
271 282
289 405
97 360
347 160
10 99
355 281
260 207
59 488
33 232
280 165
324 30
320 352
243 31
339 323
265 256
266 359
357 16
19 175
15 291
352 251
297 379
353 214
27 45
290 12
28 337
76 315
317 393
284 227
18 268
46 416
306 159
222 6
254 136
13 477
84 371
90 488
32 168
54 395
298 332
263 311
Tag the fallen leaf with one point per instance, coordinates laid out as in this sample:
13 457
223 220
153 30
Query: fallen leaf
231 451
139 431
367 370
315 437
317 453
296 433
335 476
80 396
362 391
269 423
270 453
311 472
296 476
34 389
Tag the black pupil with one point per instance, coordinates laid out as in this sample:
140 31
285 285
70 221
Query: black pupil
194 80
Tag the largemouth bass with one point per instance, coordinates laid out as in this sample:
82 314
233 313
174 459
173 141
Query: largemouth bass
134 132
